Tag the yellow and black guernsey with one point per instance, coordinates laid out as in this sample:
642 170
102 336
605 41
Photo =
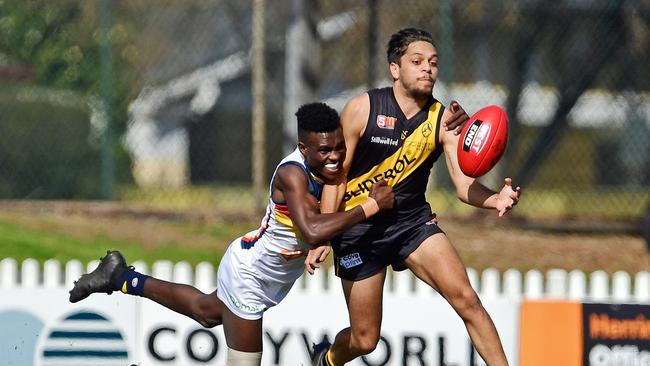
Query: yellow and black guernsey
402 151
395 148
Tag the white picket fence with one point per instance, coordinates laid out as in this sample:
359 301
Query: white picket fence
556 284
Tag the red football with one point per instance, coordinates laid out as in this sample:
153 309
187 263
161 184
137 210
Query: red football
483 141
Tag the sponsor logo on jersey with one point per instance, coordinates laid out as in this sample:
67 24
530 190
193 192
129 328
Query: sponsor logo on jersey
350 260
384 140
390 173
475 137
427 129
386 122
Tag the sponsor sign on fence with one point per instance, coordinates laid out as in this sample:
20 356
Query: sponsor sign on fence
537 322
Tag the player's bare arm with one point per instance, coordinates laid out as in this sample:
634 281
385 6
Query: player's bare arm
354 117
468 189
290 186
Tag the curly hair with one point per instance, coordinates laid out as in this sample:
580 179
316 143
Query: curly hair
317 117
400 41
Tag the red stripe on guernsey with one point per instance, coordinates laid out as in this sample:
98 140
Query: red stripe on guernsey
283 209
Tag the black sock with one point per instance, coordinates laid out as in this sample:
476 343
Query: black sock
131 282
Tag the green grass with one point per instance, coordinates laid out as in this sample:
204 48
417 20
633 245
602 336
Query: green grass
205 220
48 242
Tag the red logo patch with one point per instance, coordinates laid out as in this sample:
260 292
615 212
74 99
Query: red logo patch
386 122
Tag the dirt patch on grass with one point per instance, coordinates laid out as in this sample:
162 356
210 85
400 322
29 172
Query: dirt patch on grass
504 244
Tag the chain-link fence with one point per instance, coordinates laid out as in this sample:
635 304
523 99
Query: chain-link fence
152 100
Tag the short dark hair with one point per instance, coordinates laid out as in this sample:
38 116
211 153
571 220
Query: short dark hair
317 117
401 40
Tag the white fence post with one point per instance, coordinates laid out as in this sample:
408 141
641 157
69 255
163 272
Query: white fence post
556 284
183 273
315 284
162 269
8 273
512 284
403 283
73 270
621 287
577 285
332 282
473 278
52 273
533 284
490 285
205 277
642 287
30 273
599 286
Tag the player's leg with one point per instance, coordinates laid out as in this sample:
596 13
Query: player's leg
207 309
244 339
437 263
364 302
112 274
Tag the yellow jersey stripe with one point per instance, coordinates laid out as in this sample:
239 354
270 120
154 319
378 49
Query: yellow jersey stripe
415 149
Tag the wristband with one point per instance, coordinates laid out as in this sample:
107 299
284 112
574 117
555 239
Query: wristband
369 207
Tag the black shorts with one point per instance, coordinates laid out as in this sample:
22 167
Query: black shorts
370 246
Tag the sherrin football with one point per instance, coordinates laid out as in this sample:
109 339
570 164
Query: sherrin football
483 141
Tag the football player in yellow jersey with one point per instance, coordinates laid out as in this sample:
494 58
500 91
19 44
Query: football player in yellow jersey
397 133
259 268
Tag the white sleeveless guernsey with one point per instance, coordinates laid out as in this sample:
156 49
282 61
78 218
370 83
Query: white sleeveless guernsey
258 270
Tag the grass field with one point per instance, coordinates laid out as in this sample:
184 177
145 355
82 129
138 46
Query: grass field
45 234
84 231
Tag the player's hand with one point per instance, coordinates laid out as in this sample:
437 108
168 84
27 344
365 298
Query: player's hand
315 258
383 194
508 197
458 118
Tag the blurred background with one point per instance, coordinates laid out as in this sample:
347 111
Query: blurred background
187 106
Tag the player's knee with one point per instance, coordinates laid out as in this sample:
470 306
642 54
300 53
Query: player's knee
207 322
208 319
466 302
366 342
206 315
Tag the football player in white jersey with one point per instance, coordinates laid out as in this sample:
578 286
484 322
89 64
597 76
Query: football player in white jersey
259 268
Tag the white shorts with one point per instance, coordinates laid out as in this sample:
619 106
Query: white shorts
244 284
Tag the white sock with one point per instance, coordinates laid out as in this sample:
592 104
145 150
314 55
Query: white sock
239 358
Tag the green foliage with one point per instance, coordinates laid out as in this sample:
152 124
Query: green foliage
48 150
59 41
45 153
50 38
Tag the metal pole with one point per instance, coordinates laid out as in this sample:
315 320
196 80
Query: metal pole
447 41
373 26
259 121
106 73
446 53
